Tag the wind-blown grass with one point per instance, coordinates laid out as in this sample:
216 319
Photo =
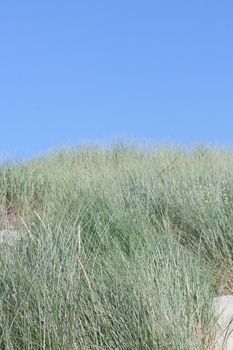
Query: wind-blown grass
122 248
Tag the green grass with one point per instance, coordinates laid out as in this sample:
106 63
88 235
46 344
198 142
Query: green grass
123 248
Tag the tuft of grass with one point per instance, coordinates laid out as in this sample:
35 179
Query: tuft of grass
122 248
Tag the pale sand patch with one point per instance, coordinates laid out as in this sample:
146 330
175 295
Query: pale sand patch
9 236
224 332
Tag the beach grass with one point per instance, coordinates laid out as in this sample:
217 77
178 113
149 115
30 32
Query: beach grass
122 248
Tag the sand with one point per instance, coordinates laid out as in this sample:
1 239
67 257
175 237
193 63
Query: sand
224 333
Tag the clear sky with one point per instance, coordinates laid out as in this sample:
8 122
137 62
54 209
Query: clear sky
95 70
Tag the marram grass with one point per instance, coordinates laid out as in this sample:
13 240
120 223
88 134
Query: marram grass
122 248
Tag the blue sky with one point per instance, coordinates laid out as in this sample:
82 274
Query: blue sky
95 70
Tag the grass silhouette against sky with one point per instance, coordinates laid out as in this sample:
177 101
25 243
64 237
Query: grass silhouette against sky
96 70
